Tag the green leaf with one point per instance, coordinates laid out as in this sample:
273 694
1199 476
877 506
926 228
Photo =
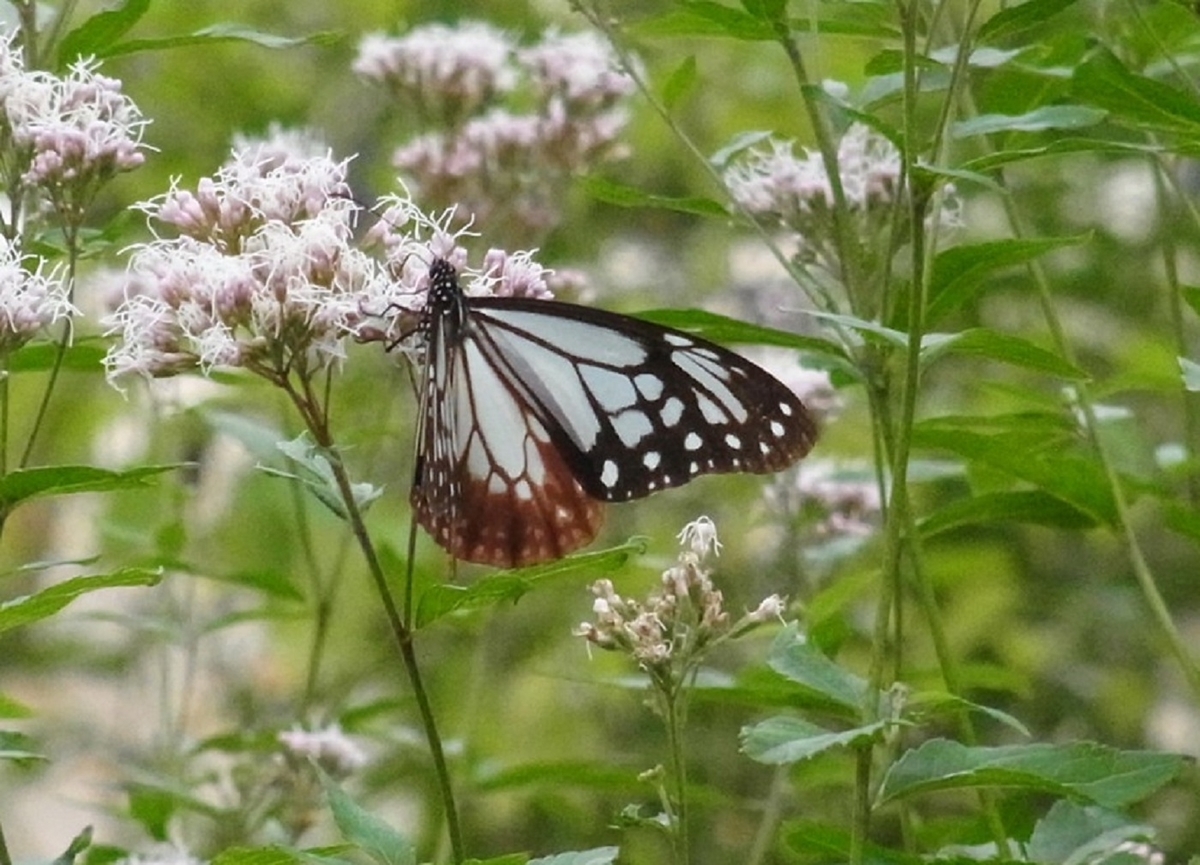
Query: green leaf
506 859
870 329
11 708
984 342
47 602
1058 146
369 833
1038 120
819 842
22 484
1191 296
783 739
706 18
78 844
18 747
1020 506
720 328
742 141
1081 770
273 855
1071 832
959 272
1104 81
1079 482
926 704
596 856
440 600
86 355
621 195
680 82
97 33
798 661
1012 20
217 33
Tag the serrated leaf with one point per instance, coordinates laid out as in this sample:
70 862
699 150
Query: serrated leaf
47 602
1011 20
680 82
1038 120
1104 81
621 195
101 30
1007 348
1019 506
440 600
273 855
1082 770
369 833
596 856
798 661
722 329
783 739
22 484
959 273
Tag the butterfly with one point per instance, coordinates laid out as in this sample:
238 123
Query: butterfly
534 413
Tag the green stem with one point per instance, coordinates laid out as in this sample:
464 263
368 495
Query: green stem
403 635
679 773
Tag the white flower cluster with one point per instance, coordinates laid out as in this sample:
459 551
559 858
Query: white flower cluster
485 156
679 619
265 273
70 133
794 191
30 300
329 748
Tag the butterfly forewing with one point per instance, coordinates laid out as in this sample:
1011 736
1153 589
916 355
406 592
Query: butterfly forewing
534 412
637 407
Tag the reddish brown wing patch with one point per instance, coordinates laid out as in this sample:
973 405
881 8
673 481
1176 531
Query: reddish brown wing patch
492 487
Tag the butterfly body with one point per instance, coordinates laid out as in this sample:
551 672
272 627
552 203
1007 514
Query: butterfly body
536 412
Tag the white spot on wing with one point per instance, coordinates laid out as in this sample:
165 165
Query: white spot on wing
733 441
693 442
632 426
612 390
649 386
711 411
651 460
672 411
609 476
712 378
777 428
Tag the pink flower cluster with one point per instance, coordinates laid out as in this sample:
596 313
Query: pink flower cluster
484 155
30 300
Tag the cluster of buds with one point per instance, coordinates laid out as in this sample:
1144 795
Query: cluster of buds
781 188
668 633
66 135
330 748
491 159
30 300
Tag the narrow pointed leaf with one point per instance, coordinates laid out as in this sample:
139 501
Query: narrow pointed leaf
784 739
22 484
47 602
369 833
984 342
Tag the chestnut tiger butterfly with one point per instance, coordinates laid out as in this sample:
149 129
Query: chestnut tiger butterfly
534 413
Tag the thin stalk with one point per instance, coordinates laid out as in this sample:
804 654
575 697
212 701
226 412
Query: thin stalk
679 773
5 859
403 635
